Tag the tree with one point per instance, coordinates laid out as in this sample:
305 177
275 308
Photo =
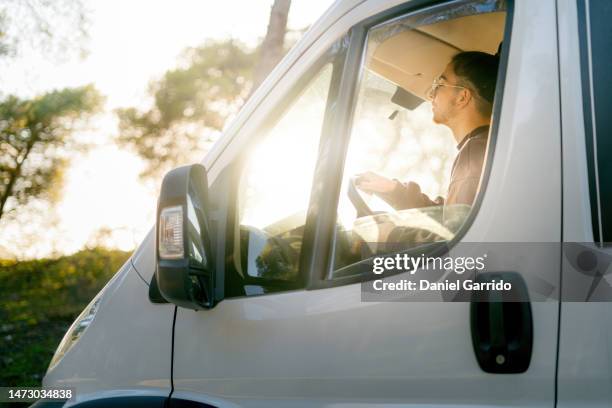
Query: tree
34 137
190 105
273 46
52 27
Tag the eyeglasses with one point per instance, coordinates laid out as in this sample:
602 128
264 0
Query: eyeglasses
437 83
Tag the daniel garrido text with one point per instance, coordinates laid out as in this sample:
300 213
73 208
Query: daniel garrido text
411 264
446 285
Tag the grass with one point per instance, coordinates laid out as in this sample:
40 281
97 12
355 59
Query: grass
39 299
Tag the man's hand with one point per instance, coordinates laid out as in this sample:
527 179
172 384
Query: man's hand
373 183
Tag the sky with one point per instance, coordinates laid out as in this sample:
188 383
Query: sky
132 42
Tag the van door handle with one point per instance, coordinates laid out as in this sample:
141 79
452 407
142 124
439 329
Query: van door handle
502 330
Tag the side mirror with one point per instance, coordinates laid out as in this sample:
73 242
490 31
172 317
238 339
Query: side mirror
184 269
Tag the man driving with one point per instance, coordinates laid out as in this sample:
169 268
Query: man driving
462 100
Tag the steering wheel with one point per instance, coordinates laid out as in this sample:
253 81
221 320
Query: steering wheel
357 199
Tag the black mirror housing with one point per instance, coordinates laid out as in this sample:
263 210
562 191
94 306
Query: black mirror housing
185 272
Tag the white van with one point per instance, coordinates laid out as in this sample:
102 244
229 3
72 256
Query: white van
250 293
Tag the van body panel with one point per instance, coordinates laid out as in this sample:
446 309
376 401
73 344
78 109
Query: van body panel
126 347
585 348
143 259
283 348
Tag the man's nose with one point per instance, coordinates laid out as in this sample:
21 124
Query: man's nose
431 94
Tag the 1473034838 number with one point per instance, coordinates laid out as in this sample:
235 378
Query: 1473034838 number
33 394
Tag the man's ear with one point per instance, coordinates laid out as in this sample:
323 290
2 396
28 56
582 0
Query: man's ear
464 97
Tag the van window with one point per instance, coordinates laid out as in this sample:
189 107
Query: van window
275 184
596 63
420 130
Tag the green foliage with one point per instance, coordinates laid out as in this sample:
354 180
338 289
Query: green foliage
190 104
4 46
34 135
39 300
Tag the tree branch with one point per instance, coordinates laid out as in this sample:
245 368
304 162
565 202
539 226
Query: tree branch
16 172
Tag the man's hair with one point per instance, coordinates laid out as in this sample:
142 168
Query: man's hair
478 71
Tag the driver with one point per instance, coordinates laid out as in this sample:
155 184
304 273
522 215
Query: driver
462 100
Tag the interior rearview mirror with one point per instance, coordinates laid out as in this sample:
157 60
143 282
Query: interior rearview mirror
184 269
406 99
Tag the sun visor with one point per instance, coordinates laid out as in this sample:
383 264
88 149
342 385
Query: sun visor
411 60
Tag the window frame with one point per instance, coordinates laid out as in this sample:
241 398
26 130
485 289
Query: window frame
232 175
321 267
594 125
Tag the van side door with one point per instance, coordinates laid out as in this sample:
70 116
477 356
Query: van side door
294 328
